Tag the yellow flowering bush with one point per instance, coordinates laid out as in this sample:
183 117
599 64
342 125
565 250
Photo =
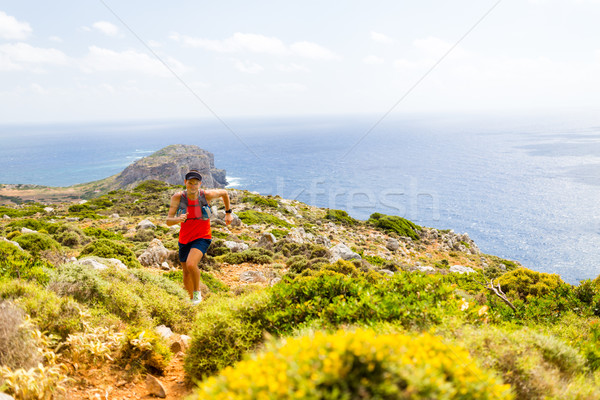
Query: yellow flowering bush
359 364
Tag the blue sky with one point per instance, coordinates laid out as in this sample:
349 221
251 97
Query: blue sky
77 61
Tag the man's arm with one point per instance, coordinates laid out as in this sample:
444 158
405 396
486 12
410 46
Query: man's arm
172 219
223 194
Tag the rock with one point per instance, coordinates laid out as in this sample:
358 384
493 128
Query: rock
115 216
164 331
185 340
297 235
274 281
48 209
155 387
97 265
17 245
114 262
324 241
341 251
267 240
146 224
392 244
5 216
252 277
73 219
461 269
4 396
425 268
236 247
386 272
82 201
27 230
155 254
236 221
165 265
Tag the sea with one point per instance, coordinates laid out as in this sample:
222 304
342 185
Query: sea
524 187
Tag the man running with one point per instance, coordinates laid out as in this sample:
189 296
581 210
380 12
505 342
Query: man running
195 234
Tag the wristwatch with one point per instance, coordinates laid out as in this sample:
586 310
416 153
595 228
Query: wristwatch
228 211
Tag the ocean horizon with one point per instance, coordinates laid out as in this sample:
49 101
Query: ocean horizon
522 189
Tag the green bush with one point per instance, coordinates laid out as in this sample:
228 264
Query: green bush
334 298
340 216
135 296
523 283
15 263
29 223
144 350
152 186
393 223
260 218
35 243
25 211
99 233
106 248
357 365
255 255
279 233
224 330
537 366
260 201
57 315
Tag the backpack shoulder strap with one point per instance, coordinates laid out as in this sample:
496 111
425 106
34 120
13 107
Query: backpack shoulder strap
202 198
183 203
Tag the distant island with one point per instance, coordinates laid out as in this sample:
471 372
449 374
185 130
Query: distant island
168 164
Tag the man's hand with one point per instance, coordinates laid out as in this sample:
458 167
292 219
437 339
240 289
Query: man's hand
228 218
182 217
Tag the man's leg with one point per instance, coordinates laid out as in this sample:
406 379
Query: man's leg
188 282
193 271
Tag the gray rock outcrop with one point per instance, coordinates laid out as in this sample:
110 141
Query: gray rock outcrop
170 165
341 251
154 255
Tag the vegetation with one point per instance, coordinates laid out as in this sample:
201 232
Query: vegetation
313 329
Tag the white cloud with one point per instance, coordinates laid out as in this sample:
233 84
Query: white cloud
288 87
381 38
106 27
22 56
55 39
312 50
154 43
293 67
239 42
255 43
12 29
373 60
106 60
248 67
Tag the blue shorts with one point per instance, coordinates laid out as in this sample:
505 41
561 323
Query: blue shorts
200 244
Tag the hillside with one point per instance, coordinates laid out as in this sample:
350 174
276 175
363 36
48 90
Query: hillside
313 301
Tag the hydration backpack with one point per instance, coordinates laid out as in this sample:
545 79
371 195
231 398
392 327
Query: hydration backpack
207 212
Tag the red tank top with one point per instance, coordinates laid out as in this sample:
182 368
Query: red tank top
195 228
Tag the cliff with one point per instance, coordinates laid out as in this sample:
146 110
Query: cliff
170 165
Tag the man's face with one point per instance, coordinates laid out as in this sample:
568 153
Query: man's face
192 184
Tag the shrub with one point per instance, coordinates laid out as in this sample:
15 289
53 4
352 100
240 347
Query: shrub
102 233
393 223
25 211
279 233
35 243
106 248
336 298
260 218
18 347
341 217
151 186
357 365
57 315
15 263
522 283
144 350
223 331
255 255
536 365
260 201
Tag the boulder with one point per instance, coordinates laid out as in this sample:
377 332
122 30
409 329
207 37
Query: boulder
115 216
236 247
267 240
461 269
424 268
5 216
155 254
146 224
164 331
392 244
252 277
322 240
155 387
341 251
48 209
95 264
297 235
4 396
27 230
386 272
